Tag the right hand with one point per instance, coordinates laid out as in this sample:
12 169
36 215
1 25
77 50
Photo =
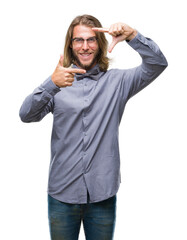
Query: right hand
64 77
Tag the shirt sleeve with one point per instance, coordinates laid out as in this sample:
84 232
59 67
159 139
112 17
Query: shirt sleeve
153 64
39 103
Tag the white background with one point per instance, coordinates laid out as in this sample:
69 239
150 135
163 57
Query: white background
152 201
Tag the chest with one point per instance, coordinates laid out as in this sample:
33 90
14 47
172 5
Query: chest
85 95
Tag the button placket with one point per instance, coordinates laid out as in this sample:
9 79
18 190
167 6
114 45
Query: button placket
85 100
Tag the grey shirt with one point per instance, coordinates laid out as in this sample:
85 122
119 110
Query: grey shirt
84 143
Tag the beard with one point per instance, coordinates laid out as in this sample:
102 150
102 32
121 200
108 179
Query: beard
85 66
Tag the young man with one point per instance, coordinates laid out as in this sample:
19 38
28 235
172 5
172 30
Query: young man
87 102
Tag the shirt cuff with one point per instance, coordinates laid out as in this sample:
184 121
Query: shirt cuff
135 42
50 87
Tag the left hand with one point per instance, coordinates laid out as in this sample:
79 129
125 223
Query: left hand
119 32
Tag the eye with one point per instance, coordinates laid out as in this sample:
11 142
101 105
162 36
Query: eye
78 40
91 39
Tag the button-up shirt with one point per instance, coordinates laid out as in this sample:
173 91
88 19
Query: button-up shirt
85 157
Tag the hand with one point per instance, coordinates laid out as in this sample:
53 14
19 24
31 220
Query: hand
119 32
64 77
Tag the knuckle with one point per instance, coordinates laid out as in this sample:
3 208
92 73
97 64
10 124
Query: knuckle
110 31
66 74
71 80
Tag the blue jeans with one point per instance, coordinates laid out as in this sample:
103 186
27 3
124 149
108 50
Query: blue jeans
98 219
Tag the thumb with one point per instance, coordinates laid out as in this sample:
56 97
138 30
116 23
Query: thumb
113 44
61 60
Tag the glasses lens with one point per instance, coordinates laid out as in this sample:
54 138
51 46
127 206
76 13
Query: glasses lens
79 41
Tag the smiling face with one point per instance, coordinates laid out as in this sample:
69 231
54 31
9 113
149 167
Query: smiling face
85 54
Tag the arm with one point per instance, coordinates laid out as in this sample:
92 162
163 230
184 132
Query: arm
40 102
153 61
153 64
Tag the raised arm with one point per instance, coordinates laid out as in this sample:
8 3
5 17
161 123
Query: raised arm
153 60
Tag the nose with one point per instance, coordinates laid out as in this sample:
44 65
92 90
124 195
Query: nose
85 45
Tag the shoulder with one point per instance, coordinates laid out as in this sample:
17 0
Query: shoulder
117 74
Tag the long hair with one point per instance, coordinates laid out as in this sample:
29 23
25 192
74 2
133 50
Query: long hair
89 21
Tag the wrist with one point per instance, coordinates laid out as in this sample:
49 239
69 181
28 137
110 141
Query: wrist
50 87
132 35
53 78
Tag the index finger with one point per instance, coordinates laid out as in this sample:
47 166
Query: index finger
75 70
100 29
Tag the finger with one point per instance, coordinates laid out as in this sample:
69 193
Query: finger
112 30
70 79
61 60
68 84
100 29
115 30
112 45
75 70
69 76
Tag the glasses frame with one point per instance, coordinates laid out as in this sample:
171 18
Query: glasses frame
80 41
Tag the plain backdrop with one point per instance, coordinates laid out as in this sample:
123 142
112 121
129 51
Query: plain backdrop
151 202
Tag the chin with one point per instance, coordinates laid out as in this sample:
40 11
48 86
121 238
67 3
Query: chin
87 66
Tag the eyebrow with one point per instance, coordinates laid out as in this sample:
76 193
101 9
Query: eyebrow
85 38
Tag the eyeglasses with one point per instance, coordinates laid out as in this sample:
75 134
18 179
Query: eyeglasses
78 42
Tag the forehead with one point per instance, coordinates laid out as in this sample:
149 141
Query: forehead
83 31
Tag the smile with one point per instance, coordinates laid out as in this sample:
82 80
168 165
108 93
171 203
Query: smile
86 55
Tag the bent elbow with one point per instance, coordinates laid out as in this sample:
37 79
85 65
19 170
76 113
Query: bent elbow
166 63
23 116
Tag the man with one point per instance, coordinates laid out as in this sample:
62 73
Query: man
87 102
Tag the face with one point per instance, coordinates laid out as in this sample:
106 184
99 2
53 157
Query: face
85 54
